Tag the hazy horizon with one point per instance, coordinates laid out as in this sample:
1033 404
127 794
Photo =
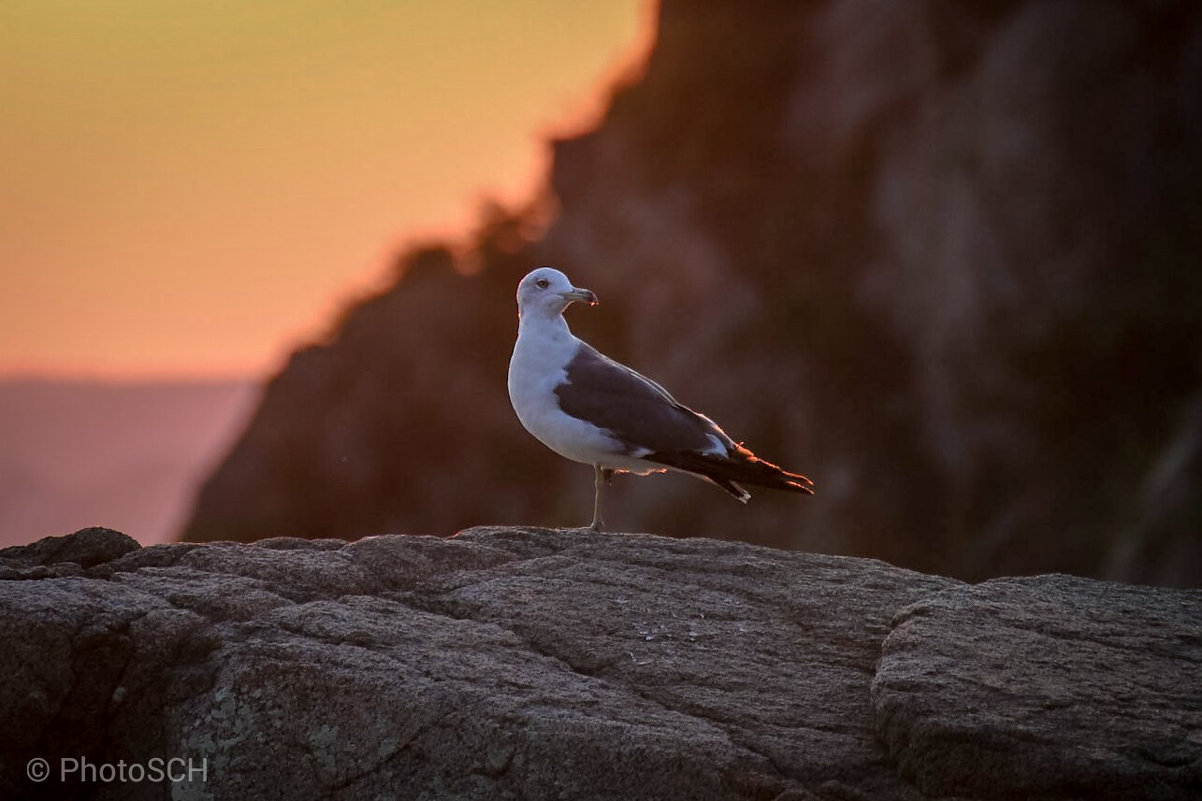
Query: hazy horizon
124 455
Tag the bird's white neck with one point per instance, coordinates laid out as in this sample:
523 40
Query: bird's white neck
552 327
544 345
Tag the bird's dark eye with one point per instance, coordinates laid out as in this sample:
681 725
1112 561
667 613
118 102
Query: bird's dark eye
542 283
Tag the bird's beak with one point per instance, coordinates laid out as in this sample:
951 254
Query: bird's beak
582 295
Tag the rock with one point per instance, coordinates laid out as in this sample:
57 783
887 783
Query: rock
1046 687
930 254
541 664
64 555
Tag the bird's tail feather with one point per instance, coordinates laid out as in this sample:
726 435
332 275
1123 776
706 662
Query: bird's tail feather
727 472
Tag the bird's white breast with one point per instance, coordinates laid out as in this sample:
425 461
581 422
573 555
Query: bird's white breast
540 356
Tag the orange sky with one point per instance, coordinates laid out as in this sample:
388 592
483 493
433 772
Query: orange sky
189 189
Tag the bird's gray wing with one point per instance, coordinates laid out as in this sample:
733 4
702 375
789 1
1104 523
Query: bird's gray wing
632 407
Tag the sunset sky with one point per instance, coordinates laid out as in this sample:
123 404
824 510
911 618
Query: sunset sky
191 188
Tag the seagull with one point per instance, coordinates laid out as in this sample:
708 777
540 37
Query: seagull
591 409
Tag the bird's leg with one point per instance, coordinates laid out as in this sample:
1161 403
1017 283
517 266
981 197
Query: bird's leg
603 475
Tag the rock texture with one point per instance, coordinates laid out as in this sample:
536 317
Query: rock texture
539 664
938 256
1045 687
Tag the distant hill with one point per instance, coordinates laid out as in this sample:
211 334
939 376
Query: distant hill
943 258
124 455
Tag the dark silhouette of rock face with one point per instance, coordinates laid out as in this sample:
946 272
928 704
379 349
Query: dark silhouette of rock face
940 257
528 663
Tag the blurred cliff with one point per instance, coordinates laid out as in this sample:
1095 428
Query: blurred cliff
942 257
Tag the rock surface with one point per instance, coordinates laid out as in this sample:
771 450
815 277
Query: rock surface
1046 687
540 664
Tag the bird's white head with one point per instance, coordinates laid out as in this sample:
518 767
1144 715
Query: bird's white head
546 292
